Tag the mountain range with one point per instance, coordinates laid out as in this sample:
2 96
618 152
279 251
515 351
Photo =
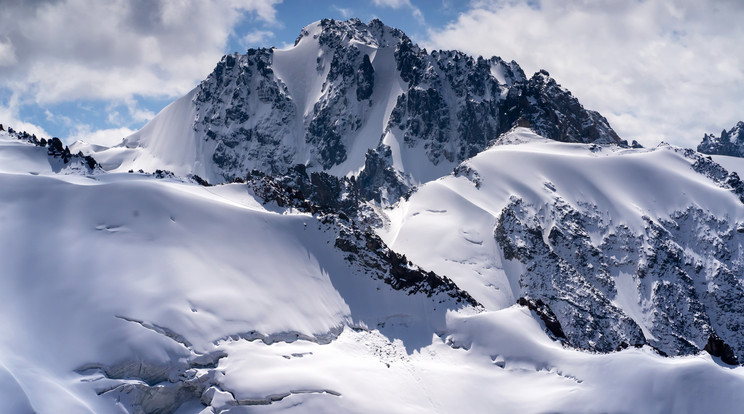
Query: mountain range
357 224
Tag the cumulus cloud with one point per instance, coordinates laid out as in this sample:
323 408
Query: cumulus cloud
105 137
7 53
256 38
63 50
345 12
657 69
132 113
9 118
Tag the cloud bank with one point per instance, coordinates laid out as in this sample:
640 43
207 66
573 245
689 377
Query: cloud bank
113 50
657 69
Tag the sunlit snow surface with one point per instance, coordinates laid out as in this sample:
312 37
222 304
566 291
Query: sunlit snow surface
447 225
114 268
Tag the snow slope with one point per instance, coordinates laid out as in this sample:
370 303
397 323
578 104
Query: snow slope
97 267
597 194
168 142
734 164
459 216
123 292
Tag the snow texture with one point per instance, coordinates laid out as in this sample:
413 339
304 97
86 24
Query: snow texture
124 291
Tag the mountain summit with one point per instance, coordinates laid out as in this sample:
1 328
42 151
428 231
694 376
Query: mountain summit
352 97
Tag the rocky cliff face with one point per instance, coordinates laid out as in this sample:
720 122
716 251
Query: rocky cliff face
730 142
551 111
684 270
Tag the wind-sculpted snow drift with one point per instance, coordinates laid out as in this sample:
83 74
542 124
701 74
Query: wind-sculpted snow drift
402 231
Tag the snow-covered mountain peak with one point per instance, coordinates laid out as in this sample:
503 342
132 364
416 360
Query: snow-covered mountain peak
352 99
337 33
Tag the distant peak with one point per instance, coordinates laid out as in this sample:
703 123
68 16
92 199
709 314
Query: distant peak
730 142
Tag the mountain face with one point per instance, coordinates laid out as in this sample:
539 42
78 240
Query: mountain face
351 97
730 142
683 264
645 263
387 230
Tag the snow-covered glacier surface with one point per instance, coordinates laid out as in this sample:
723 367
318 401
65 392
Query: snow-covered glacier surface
124 292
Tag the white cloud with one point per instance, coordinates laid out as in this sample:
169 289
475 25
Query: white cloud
9 118
399 4
395 4
264 9
105 137
64 50
345 12
58 119
256 37
136 113
7 53
671 69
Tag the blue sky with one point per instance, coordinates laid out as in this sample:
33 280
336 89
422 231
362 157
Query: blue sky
657 69
293 15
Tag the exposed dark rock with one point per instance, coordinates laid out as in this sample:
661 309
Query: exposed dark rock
163 174
714 171
89 161
554 113
718 348
574 274
423 115
378 175
197 180
365 79
57 150
730 142
566 273
409 62
336 200
225 103
546 315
